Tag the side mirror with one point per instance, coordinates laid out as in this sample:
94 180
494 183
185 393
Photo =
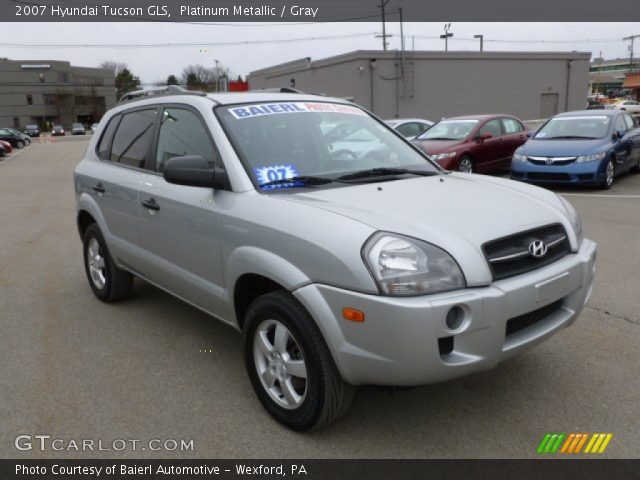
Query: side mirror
194 171
484 136
618 134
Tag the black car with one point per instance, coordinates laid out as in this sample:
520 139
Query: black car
24 136
15 140
32 130
57 131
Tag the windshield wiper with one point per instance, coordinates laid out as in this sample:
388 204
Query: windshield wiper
303 180
383 172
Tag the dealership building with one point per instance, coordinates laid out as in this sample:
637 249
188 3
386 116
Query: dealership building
608 75
433 85
47 92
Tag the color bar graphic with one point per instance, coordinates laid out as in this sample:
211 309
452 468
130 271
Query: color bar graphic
573 443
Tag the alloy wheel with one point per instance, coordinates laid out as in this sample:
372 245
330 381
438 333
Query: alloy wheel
97 265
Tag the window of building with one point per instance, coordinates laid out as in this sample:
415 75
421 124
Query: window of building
41 77
183 133
29 100
63 77
49 99
16 122
132 141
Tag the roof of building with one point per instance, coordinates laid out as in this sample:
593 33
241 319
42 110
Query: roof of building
307 62
632 80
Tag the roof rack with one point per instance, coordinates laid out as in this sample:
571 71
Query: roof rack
161 91
286 90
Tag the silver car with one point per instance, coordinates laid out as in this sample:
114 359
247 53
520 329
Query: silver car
339 270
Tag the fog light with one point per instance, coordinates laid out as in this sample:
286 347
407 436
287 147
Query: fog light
456 318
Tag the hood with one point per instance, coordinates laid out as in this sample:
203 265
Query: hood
563 148
457 212
433 147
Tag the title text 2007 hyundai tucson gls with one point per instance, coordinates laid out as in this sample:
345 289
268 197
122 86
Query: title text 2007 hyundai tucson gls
341 267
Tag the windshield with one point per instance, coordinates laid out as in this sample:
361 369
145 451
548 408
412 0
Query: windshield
568 128
78 125
32 126
279 141
449 130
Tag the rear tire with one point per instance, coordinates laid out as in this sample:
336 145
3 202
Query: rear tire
636 169
295 379
108 282
20 145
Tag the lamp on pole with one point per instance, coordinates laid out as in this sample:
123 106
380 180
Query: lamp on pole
481 37
446 36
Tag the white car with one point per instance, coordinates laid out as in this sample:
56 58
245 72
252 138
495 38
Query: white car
409 128
630 106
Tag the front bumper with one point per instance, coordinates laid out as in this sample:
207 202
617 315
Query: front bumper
397 344
587 173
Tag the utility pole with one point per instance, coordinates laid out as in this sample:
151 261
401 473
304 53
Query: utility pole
481 37
447 35
632 38
401 35
383 3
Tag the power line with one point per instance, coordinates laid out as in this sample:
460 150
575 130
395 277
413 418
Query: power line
179 45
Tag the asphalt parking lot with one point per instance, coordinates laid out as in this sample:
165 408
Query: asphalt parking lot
75 368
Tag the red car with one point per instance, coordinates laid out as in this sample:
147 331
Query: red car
474 143
7 146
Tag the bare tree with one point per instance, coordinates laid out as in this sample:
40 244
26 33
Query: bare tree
115 67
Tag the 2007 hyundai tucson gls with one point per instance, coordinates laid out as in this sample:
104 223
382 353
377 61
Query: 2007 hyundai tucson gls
341 267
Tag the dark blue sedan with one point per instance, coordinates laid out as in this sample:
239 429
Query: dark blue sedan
585 148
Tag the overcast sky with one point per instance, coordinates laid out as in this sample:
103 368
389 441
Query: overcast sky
156 63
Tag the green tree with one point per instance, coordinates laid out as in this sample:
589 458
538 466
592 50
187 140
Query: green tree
126 82
192 80
172 80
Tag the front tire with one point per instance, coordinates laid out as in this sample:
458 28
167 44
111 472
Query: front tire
609 175
20 145
290 366
108 282
465 164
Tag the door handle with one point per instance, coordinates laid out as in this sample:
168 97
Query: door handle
99 188
151 204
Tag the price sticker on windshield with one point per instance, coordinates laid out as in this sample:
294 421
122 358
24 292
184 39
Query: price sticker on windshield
273 173
249 111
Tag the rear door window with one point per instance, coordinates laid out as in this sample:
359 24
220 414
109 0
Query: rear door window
511 126
132 141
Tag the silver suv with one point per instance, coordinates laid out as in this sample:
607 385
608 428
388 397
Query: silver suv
342 263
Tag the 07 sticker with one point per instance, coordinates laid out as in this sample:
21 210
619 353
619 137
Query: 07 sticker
272 173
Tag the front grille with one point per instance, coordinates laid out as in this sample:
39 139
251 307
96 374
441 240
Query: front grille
517 324
510 256
554 161
545 176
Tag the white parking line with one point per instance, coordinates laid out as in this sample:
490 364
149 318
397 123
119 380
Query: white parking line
598 196
11 156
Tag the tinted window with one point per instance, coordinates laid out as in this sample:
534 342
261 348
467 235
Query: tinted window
133 138
183 133
493 127
103 146
409 129
511 125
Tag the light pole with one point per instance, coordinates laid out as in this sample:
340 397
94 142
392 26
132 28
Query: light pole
481 37
446 36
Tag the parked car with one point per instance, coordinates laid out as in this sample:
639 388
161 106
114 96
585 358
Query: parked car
474 143
337 270
584 147
600 106
8 148
78 129
94 127
630 106
57 131
24 136
409 128
16 141
32 130
3 150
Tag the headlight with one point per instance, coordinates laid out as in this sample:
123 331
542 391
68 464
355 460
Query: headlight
404 266
442 156
518 157
591 158
575 219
